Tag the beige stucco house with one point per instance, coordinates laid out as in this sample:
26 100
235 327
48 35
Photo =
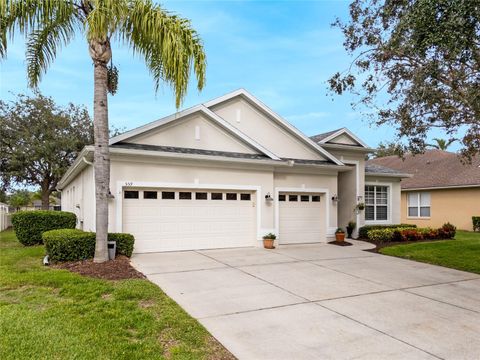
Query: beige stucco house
442 188
224 173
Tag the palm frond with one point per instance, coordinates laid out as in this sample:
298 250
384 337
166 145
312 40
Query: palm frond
43 44
170 47
47 24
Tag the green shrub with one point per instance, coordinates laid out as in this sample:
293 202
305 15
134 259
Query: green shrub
124 243
29 225
74 244
69 244
476 223
381 235
363 231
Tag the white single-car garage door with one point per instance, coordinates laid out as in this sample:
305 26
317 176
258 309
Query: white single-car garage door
182 219
302 218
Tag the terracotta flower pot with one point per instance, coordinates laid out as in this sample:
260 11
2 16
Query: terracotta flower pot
339 237
268 243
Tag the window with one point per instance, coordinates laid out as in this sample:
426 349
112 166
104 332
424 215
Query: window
315 198
304 198
292 197
185 195
217 196
201 196
231 196
130 194
419 204
245 197
168 195
376 203
281 197
149 194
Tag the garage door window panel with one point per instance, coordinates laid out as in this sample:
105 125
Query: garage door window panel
231 196
292 198
184 195
168 195
150 195
245 197
201 196
130 194
217 196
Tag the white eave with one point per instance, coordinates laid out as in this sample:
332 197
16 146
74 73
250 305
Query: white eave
347 132
78 165
282 122
446 187
391 175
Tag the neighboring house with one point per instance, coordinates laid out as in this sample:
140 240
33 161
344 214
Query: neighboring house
226 172
442 189
37 205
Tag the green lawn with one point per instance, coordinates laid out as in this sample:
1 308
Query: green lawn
55 314
463 253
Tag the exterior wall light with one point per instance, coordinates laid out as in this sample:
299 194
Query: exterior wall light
268 197
359 198
335 198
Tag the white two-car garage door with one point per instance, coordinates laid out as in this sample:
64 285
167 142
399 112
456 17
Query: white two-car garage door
182 219
302 218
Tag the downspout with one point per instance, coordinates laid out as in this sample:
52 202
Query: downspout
86 161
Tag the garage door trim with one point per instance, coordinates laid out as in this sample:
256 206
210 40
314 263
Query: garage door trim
142 184
278 190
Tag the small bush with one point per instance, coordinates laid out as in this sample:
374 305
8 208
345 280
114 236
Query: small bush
363 231
447 231
124 241
69 244
74 244
29 225
476 223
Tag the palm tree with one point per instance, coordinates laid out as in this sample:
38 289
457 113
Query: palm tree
442 144
167 43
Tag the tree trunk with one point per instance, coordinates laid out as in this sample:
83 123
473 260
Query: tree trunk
100 52
45 200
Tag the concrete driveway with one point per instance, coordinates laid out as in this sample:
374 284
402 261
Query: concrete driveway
323 302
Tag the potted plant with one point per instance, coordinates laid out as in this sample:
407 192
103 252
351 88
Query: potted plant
339 235
360 206
268 241
350 227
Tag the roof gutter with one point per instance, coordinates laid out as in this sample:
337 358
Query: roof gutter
442 187
78 165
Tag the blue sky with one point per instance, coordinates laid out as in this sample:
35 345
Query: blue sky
283 52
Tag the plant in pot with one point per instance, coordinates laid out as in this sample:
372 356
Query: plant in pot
360 206
268 241
350 227
339 235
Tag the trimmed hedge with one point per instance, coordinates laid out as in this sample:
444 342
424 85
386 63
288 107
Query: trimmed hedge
74 244
363 231
476 223
447 231
29 225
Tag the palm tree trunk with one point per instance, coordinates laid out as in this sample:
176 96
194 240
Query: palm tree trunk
101 53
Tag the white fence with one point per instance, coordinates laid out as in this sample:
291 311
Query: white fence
5 220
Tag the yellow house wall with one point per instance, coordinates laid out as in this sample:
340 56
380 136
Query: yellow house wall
456 206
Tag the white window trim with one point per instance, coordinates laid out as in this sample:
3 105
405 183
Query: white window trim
142 184
389 205
419 217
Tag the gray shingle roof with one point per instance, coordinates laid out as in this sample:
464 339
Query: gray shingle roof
378 169
434 168
320 137
183 150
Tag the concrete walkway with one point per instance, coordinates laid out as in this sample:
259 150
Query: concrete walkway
323 302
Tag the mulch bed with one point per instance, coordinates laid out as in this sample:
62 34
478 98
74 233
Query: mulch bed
117 269
393 243
340 243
